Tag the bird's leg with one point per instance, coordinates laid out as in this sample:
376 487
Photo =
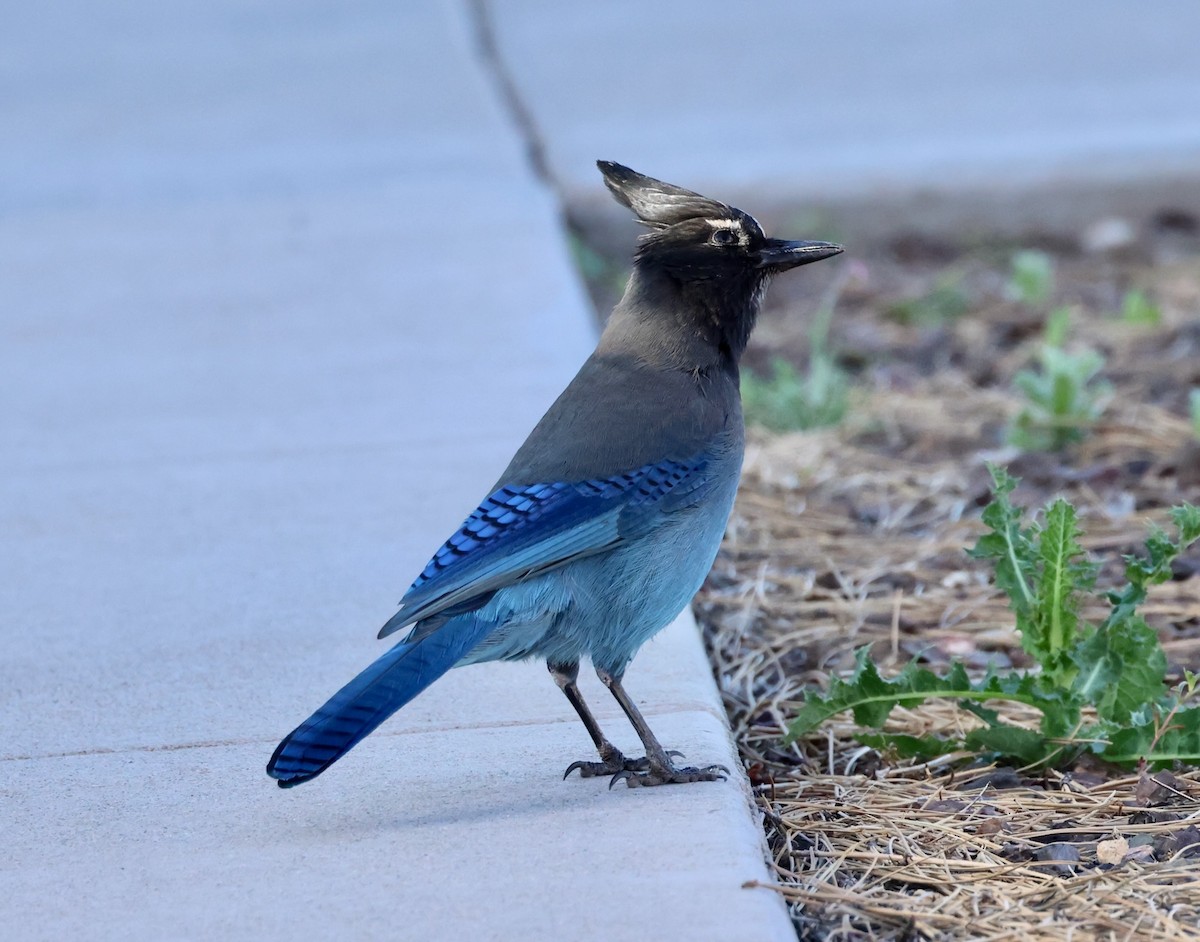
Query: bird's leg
612 761
659 770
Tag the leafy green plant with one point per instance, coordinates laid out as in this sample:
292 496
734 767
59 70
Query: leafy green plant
1138 309
1058 325
789 400
1063 397
944 302
1098 687
1031 280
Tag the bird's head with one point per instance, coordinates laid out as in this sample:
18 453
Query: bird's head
716 255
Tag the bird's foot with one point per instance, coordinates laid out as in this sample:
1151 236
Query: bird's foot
657 774
614 763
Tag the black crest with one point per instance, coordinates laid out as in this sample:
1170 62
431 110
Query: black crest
658 204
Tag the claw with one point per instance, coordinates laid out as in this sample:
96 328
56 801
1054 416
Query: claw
614 763
572 767
623 774
670 776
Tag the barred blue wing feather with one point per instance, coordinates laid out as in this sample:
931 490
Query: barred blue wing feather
519 531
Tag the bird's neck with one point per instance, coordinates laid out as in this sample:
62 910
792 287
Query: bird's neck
674 324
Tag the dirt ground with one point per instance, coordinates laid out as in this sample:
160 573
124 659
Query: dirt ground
856 535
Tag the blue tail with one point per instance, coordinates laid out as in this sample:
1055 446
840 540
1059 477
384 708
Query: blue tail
370 698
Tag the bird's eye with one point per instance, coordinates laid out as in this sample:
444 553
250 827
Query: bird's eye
723 236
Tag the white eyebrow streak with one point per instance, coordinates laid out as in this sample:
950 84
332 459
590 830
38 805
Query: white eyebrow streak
732 224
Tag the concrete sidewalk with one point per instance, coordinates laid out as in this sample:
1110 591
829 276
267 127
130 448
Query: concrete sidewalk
281 297
1072 109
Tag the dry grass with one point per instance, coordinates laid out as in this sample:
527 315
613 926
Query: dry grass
856 536
921 854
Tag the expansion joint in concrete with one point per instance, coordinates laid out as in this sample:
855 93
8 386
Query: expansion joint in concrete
501 77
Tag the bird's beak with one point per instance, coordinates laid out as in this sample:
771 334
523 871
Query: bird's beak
782 255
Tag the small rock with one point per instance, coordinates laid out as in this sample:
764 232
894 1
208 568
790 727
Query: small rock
944 806
960 579
1173 219
1112 852
1002 777
1108 235
1058 857
1154 817
1160 789
1143 854
989 826
1185 842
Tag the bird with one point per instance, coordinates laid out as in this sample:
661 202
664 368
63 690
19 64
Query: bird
609 517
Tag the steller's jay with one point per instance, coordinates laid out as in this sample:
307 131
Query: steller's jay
608 518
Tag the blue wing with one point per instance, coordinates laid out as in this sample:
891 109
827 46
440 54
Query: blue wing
522 531
516 532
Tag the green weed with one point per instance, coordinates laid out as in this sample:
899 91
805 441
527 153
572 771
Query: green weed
1063 397
1115 671
789 400
946 301
1031 280
1137 309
